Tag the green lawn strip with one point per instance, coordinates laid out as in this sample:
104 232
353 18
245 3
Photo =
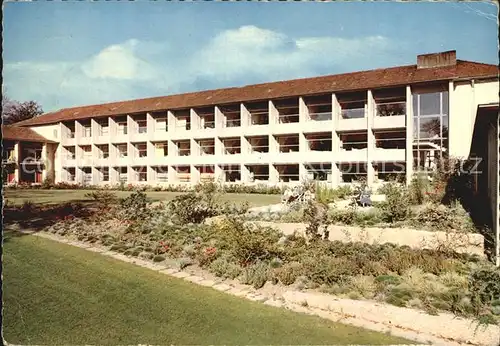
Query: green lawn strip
59 196
58 294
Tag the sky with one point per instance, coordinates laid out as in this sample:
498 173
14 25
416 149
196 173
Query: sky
65 54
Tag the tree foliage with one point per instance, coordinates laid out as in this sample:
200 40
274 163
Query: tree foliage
14 111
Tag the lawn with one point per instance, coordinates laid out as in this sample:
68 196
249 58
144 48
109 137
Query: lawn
59 196
58 294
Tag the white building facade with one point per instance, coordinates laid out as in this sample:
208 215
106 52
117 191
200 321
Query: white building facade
376 125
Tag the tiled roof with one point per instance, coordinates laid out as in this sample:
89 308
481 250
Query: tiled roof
387 77
17 133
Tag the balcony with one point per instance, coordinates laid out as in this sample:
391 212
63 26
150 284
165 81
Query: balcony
353 155
390 115
386 155
353 119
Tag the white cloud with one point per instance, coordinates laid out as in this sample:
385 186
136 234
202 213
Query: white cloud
119 61
136 68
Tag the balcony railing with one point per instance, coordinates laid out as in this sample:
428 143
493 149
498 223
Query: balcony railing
232 123
142 129
353 113
391 109
324 116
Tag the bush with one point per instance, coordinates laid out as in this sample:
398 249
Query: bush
316 217
440 217
225 267
135 207
289 272
256 274
189 208
396 207
343 217
484 288
246 243
418 188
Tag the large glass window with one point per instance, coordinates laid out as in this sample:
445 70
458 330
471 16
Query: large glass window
430 129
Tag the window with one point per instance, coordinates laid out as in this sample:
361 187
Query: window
161 125
354 141
388 109
320 171
161 149
141 150
122 174
70 153
430 129
288 143
122 128
141 174
87 151
122 150
390 140
142 126
87 175
87 131
388 171
71 132
55 133
103 152
105 174
319 142
353 172
353 110
162 174
103 129
70 174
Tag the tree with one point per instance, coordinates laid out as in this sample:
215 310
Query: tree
14 111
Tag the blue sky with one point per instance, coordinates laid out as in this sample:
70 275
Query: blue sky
65 54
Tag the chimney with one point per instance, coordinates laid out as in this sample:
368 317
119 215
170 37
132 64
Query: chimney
448 58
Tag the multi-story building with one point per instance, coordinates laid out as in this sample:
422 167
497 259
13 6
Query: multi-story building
26 155
375 125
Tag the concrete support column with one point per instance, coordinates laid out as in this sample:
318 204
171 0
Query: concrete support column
303 111
245 116
150 125
303 147
218 146
78 132
94 129
273 114
79 175
273 145
112 128
302 172
409 135
195 175
131 178
195 119
131 127
170 121
96 175
151 176
335 121
172 148
219 118
245 174
194 147
172 174
245 145
335 175
219 174
371 139
17 159
273 174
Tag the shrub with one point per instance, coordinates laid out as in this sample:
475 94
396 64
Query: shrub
329 270
135 207
484 287
247 243
225 267
344 217
440 217
289 272
418 188
158 258
316 217
256 274
189 208
396 207
325 194
28 206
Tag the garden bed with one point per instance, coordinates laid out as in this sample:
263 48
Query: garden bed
471 243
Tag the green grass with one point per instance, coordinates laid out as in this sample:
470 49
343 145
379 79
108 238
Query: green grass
58 294
59 196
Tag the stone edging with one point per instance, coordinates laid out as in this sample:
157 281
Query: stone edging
443 329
